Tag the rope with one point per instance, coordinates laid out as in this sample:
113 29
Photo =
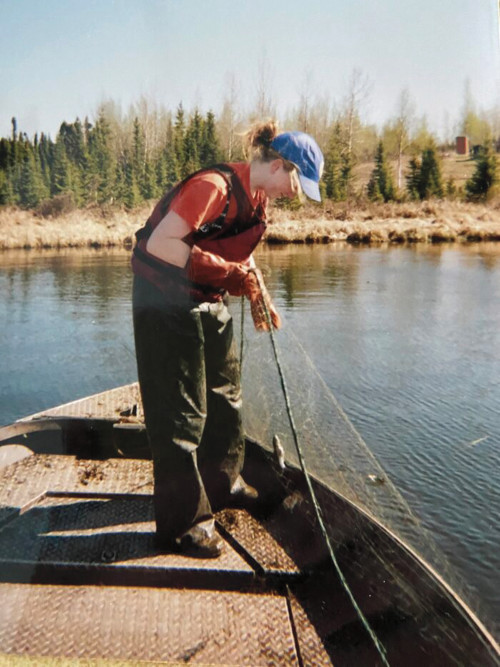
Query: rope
378 644
242 324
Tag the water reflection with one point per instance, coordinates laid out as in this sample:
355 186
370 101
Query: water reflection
66 327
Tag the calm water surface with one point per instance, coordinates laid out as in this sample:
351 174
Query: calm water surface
407 339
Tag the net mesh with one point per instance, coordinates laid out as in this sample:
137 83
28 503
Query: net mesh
334 452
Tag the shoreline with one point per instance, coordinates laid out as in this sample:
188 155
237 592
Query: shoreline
368 224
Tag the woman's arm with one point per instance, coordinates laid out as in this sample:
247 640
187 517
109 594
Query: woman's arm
166 240
204 267
201 199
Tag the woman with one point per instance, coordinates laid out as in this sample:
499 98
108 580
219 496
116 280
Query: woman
195 248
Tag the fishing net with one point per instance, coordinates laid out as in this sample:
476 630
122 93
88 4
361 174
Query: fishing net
301 411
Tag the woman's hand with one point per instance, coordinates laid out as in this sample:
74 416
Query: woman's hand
261 306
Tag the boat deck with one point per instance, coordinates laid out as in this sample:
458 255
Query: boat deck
81 577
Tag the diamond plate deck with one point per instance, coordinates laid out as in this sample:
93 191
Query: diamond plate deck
312 649
146 624
26 480
67 524
268 554
122 401
105 539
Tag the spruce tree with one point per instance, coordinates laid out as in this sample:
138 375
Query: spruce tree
5 161
346 173
178 139
76 152
380 186
102 162
45 155
172 168
31 189
451 188
167 168
144 168
413 178
61 180
332 174
132 196
90 177
484 177
5 184
209 150
430 182
15 158
161 173
424 179
138 155
6 191
148 187
374 193
119 180
192 145
71 135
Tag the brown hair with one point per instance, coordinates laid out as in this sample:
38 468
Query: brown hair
257 143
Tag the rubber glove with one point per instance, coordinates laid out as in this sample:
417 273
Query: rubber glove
256 292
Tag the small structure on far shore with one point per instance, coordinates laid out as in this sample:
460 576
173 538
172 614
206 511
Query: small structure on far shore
462 145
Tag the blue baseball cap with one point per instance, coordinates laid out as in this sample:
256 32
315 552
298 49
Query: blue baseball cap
301 149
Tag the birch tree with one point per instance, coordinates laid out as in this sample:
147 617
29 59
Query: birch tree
402 128
358 92
264 104
230 119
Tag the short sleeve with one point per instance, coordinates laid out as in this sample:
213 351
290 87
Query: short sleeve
201 199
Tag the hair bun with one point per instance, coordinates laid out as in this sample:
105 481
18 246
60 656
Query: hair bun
267 134
262 134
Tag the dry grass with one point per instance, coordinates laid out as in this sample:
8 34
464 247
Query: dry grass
77 229
430 221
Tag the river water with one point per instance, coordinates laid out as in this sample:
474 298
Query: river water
406 338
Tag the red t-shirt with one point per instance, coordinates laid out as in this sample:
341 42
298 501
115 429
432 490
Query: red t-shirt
204 196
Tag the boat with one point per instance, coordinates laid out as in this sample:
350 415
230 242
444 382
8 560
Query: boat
81 578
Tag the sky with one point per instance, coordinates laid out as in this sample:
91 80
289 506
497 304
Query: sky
59 59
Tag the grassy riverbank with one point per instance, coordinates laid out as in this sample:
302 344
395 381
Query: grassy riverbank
432 221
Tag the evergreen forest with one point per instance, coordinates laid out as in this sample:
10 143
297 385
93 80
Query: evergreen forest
125 161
